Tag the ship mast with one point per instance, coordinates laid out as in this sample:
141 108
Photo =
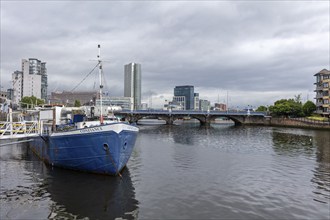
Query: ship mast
101 86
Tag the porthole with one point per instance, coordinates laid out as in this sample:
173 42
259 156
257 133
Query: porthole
106 147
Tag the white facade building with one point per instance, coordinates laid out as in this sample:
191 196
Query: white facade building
31 81
126 103
31 85
196 101
204 105
180 101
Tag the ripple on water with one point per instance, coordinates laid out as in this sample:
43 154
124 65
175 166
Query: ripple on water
23 193
321 182
231 172
221 172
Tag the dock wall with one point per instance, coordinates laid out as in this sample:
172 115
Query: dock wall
287 122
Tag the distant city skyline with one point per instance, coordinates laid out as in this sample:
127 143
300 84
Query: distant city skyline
257 51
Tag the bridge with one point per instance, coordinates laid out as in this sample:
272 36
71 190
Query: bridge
204 117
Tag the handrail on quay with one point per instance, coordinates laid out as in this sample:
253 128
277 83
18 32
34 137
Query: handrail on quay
19 129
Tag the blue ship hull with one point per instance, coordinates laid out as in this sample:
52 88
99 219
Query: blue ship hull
103 149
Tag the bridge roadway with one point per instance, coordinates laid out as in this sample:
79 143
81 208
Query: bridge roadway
204 117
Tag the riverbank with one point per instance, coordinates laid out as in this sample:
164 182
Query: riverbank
288 122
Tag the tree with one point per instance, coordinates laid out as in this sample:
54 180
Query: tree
297 98
30 101
77 103
261 108
287 107
308 108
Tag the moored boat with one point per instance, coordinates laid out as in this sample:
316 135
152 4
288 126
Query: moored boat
74 142
103 148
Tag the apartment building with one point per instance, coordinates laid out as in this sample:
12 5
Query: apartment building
31 81
322 92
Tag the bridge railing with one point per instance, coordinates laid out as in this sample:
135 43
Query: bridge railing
192 112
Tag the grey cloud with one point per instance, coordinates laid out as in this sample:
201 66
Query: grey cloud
245 46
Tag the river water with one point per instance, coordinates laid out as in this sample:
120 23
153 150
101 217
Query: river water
182 172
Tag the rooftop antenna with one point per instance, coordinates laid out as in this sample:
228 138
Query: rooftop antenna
227 103
150 100
307 97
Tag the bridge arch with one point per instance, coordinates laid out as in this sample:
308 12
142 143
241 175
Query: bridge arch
236 120
207 119
203 117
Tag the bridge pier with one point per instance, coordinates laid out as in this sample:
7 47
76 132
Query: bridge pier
169 119
132 118
205 123
205 120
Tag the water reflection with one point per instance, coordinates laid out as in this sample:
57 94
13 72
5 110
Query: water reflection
322 139
309 144
321 177
292 144
184 134
93 196
12 151
26 183
185 156
21 186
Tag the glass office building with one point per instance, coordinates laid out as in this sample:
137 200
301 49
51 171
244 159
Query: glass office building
188 93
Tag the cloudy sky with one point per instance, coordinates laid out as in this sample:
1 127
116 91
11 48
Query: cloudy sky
256 51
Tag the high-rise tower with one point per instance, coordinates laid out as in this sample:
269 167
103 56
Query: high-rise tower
31 81
132 83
